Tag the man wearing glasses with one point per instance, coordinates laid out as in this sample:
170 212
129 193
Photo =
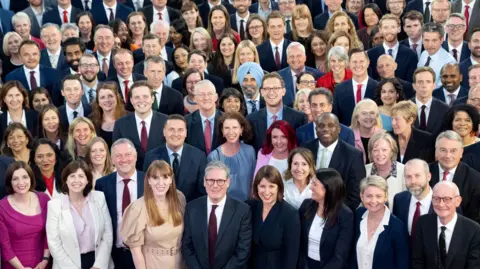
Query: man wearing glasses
455 44
90 76
448 152
455 243
225 226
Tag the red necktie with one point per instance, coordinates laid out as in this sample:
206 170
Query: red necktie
65 17
416 215
160 16
33 80
359 92
212 236
274 118
445 174
207 133
127 91
467 19
126 195
144 137
277 58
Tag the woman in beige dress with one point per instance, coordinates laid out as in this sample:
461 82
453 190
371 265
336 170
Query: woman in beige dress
153 225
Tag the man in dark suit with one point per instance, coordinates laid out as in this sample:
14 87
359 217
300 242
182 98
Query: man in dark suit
238 20
141 126
296 59
405 58
204 9
321 101
455 44
273 90
412 25
272 52
6 21
4 163
474 58
422 7
53 55
167 100
14 5
124 77
188 163
202 125
159 11
151 46
90 76
448 153
64 13
218 229
446 239
386 67
460 6
72 91
451 89
108 10
104 40
350 92
329 151
262 7
35 7
128 180
471 156
431 111
320 21
248 74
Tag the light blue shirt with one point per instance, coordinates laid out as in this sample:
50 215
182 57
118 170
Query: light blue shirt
270 117
86 91
264 13
5 4
211 119
437 61
171 157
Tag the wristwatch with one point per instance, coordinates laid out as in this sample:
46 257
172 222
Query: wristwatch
45 258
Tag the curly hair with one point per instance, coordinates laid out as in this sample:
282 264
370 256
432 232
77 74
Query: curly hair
396 85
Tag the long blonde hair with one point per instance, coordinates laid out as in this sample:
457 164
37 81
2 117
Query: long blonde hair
355 42
71 146
244 44
109 168
361 105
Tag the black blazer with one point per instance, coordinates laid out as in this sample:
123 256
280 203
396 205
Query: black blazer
408 89
406 60
233 240
440 95
171 101
191 171
320 21
464 54
336 241
267 58
195 130
126 127
344 99
471 156
111 67
87 110
53 16
468 181
31 117
348 161
45 60
420 145
415 5
258 121
101 17
136 77
17 5
4 163
173 14
275 240
435 118
463 251
204 10
177 83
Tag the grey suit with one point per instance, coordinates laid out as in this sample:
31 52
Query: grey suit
35 28
474 14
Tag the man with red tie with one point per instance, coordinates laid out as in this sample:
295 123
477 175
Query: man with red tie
470 10
159 11
273 51
64 13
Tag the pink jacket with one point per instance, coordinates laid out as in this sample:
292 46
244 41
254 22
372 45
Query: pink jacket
262 160
359 144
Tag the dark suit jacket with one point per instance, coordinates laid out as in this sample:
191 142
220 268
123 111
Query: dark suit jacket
139 67
177 84
136 77
195 130
420 145
48 79
474 14
108 185
471 156
233 240
468 181
275 240
101 17
45 60
254 7
463 251
204 10
344 99
35 27
126 127
320 21
408 89
17 5
306 134
53 16
267 59
415 5
258 121
440 95
392 247
6 20
87 110
31 117
173 14
171 101
336 240
348 161
464 66
4 163
406 60
464 54
407 44
315 7
111 68
435 117
191 170
290 85
401 206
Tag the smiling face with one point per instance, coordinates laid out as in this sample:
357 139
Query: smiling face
142 100
82 134
462 124
190 17
14 99
17 141
354 6
300 169
50 121
21 181
123 64
318 190
359 64
77 181
255 29
51 37
336 65
367 116
232 130
45 159
160 184
272 91
198 62
303 104
215 192
451 77
106 100
30 56
218 20
319 47
327 129
98 153
155 72
296 58
85 25
180 57
341 24
445 210
390 29
124 158
381 153
388 94
448 153
227 47
373 198
400 125
191 80
151 47
88 68
22 27
104 40
206 98
175 133
307 81
416 178
137 25
72 91
319 104
301 23
73 53
267 192
199 41
371 18
231 104
386 67
39 100
344 42
279 141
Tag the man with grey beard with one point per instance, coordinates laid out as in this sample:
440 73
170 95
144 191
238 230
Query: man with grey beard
249 77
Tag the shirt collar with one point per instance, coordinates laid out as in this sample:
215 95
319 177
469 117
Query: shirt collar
330 148
220 204
147 120
70 110
133 177
393 172
240 18
279 114
364 83
248 99
471 5
451 171
211 118
473 60
455 92
114 7
24 118
385 219
28 70
269 7
69 10
459 48
280 45
394 48
427 104
170 152
451 225
426 198
100 58
57 53
121 80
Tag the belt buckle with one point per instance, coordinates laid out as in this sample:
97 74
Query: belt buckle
171 251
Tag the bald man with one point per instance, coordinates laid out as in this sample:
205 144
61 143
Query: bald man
386 67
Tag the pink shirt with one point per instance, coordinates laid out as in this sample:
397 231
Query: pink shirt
84 225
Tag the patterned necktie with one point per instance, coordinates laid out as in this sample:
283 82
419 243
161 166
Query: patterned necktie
254 105
90 95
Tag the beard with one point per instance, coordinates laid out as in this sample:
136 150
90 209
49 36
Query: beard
416 190
250 91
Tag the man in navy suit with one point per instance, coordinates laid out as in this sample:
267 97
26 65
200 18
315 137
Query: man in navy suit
330 152
141 127
159 11
352 91
72 91
162 30
422 7
187 162
128 180
273 89
109 10
104 40
272 52
321 101
320 21
248 74
263 8
412 25
52 56
4 163
405 58
238 20
64 13
455 44
204 9
474 46
296 59
151 46
89 71
451 89
386 67
32 74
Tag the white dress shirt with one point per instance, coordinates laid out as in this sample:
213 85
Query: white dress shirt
100 60
218 210
244 21
132 188
437 61
428 106
314 237
164 54
107 11
121 81
293 196
24 118
425 204
459 51
328 154
36 75
164 13
470 5
69 12
449 231
448 100
53 57
148 122
280 48
70 111
450 175
419 46
394 49
364 87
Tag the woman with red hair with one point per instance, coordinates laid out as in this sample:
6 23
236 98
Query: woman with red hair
280 140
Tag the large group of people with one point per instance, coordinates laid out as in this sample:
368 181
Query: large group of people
262 134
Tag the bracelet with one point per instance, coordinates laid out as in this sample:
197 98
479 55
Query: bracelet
45 258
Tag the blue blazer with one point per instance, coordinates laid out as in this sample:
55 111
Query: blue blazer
344 99
464 66
48 78
392 249
286 73
406 60
267 59
101 17
254 7
414 5
320 21
87 110
6 20
191 171
401 205
45 60
108 185
53 16
440 95
306 134
465 53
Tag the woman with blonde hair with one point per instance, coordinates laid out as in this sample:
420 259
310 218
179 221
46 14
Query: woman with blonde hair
201 40
98 158
301 102
302 25
10 46
153 224
301 169
246 52
340 21
256 29
80 132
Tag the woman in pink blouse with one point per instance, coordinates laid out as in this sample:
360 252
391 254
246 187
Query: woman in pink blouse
23 214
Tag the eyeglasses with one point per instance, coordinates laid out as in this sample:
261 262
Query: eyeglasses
446 200
255 28
276 89
91 66
211 182
455 26
308 82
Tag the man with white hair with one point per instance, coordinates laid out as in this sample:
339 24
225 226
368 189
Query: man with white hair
22 26
296 59
158 11
52 56
448 167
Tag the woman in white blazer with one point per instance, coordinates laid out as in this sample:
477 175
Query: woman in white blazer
79 228
382 152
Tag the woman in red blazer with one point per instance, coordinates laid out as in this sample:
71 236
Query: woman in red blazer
337 60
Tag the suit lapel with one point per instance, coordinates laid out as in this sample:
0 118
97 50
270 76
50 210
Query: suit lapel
370 90
197 130
133 123
163 105
227 215
140 184
262 123
95 216
336 156
201 220
41 75
68 219
432 117
455 244
459 176
154 133
216 131
405 208
185 163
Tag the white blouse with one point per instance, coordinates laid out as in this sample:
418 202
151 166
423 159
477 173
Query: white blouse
281 165
293 196
314 237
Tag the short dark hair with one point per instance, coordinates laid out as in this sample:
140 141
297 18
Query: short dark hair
9 176
299 76
396 85
375 9
413 15
469 109
197 52
138 84
72 41
75 77
72 168
246 135
7 87
272 175
433 27
358 50
321 91
232 92
26 43
476 29
175 117
422 69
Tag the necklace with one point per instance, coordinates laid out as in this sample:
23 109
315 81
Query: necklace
14 203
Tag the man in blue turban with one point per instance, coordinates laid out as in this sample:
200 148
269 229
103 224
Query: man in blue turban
250 77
